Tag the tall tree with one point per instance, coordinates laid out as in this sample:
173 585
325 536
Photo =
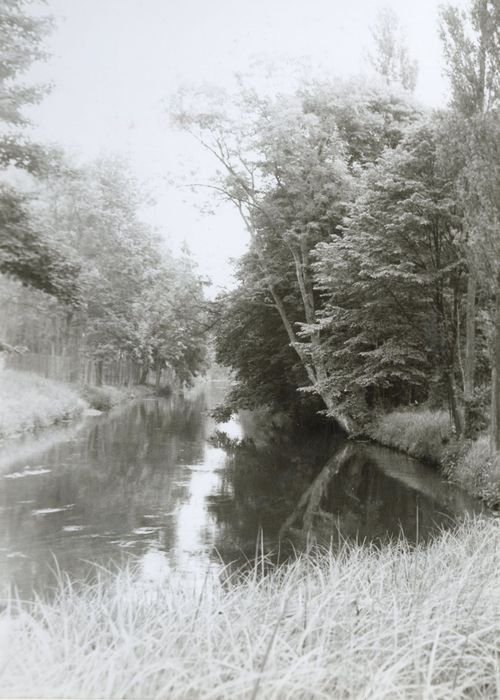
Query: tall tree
24 251
392 282
288 165
390 57
471 44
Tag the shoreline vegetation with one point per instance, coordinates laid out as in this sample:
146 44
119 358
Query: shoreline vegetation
428 435
30 402
366 621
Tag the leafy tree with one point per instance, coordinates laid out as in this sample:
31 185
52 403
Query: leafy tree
393 280
24 252
289 166
21 43
390 57
472 50
137 300
30 257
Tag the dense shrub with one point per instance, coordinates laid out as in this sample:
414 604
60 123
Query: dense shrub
102 398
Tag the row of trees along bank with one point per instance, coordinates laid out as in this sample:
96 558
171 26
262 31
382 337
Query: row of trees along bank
374 229
82 276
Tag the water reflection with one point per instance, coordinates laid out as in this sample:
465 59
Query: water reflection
146 481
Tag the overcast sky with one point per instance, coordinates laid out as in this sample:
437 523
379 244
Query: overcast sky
114 62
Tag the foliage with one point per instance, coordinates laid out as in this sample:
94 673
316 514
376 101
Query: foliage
290 166
102 398
30 256
390 57
392 281
137 300
472 54
25 252
267 369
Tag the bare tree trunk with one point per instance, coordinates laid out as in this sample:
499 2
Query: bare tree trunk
495 376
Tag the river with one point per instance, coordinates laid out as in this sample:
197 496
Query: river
150 481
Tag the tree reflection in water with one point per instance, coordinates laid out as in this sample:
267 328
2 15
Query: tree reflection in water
323 489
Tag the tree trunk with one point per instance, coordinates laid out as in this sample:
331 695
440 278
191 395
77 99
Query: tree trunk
495 376
159 370
452 402
470 354
144 374
98 373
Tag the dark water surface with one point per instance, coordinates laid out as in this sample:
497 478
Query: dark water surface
146 480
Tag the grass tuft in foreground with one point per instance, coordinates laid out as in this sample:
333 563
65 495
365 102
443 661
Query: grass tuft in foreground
29 402
365 623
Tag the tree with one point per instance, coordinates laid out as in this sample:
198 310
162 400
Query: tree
472 50
390 57
137 300
24 252
288 165
29 256
21 43
392 282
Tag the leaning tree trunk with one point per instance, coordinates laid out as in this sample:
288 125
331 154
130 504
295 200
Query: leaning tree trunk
495 375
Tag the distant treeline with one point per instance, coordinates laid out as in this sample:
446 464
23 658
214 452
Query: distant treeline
132 304
81 275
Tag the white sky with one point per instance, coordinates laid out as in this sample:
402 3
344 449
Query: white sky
114 62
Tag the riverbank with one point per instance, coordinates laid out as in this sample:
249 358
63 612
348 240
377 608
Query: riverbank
427 435
365 622
30 402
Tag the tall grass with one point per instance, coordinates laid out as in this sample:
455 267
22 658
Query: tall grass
423 434
478 471
364 623
28 402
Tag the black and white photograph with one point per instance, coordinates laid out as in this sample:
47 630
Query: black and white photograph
250 349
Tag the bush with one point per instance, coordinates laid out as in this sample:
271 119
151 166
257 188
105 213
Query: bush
29 402
423 434
102 398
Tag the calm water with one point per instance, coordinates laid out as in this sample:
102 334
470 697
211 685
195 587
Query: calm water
146 480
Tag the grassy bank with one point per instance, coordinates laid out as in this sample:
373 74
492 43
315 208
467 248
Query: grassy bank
29 402
472 466
366 623
420 434
427 435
